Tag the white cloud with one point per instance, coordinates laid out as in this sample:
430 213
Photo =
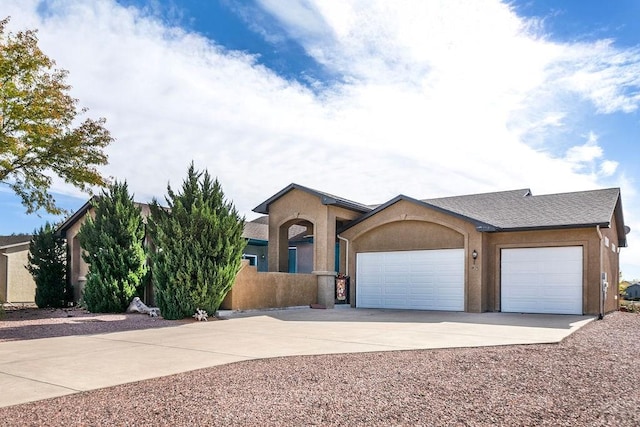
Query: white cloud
439 98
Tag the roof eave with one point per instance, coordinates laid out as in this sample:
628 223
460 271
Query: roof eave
480 226
263 208
62 229
554 227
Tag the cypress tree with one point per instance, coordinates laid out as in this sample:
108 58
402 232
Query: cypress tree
198 247
48 266
113 244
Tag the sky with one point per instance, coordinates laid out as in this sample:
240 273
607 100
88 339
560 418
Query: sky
365 99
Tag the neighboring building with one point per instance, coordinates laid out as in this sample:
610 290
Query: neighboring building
77 268
632 292
16 283
506 251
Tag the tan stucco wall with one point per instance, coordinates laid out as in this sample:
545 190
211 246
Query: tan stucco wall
3 277
409 226
254 290
77 268
301 207
585 237
16 282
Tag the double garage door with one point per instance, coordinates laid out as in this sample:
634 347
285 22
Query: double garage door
419 280
542 280
533 280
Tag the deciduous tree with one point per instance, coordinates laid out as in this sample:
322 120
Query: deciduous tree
39 137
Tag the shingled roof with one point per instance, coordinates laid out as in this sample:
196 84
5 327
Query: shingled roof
258 229
325 198
14 239
520 210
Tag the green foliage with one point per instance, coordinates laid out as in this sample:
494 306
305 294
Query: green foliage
48 266
113 248
38 129
198 247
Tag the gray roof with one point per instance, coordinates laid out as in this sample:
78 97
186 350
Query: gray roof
519 209
258 229
14 239
325 198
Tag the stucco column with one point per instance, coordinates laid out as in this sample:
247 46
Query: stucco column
325 243
476 300
325 250
326 288
278 249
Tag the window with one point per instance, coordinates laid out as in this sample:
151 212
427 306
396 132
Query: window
253 259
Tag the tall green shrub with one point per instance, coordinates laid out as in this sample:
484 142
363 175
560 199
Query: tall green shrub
48 266
113 244
198 247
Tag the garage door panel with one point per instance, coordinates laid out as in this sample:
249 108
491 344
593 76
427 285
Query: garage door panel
542 280
425 280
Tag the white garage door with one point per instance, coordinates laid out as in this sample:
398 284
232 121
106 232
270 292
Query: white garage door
542 280
419 280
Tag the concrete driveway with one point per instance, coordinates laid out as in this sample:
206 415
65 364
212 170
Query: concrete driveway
43 368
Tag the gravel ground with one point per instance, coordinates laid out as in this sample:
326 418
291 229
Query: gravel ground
33 323
589 379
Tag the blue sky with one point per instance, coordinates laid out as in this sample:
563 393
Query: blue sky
365 99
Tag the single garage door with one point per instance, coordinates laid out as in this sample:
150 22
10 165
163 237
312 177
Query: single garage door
542 280
419 280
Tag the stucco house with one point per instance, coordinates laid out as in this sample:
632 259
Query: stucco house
505 251
256 232
16 283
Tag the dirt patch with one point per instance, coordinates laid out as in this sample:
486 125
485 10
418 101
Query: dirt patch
33 323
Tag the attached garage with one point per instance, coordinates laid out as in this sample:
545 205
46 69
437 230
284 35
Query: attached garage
418 280
542 280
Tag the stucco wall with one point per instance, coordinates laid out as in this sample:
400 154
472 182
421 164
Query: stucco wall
409 226
19 286
77 268
3 276
254 290
301 207
585 237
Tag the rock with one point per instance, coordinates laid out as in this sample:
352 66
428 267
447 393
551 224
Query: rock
137 306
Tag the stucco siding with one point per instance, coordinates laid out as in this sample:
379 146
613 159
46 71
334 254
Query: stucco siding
408 226
77 268
254 290
19 286
408 235
587 238
3 276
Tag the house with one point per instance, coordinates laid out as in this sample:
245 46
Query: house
256 232
16 283
300 250
506 251
632 292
